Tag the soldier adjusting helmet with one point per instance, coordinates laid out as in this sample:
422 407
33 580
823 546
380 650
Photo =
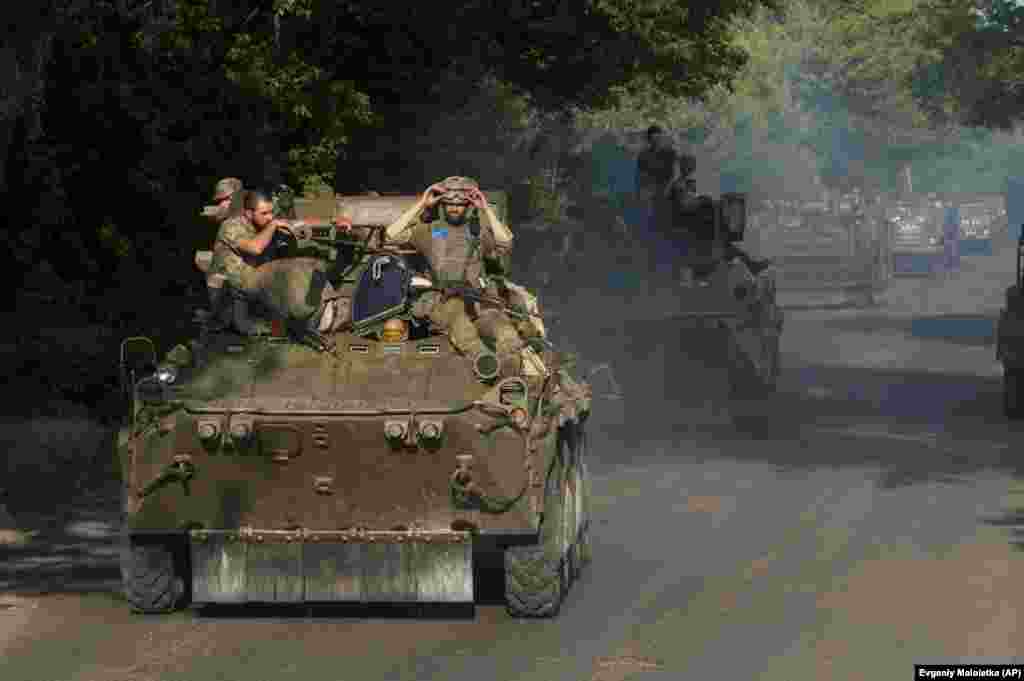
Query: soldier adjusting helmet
457 190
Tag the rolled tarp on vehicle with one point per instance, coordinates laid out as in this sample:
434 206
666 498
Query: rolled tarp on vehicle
375 211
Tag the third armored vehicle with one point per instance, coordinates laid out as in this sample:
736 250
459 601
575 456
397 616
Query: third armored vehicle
376 464
834 247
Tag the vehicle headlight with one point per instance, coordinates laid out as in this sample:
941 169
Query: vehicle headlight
394 431
207 431
430 431
240 431
167 374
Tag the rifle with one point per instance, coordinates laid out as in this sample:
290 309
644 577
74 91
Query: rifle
517 312
512 310
330 235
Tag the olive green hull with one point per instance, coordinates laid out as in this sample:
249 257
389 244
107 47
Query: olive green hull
346 518
341 473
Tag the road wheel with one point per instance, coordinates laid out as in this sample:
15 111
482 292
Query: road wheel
537 577
534 582
582 546
1013 400
152 579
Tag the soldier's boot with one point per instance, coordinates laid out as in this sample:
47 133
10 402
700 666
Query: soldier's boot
755 265
758 265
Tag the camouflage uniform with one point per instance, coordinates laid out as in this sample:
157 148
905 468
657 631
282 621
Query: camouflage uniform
229 259
456 253
293 289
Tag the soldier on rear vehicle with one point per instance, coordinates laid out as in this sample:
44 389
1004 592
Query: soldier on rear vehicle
686 203
661 168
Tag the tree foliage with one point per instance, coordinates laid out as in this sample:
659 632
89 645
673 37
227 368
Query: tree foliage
850 92
122 113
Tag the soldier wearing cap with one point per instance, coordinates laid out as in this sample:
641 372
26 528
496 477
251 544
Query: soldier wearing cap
456 240
223 193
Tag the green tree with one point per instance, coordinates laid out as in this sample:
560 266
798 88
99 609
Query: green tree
133 109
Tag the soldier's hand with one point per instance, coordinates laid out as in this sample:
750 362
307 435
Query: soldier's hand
342 222
282 224
433 195
301 230
477 198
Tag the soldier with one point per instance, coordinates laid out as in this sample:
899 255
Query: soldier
223 193
293 289
660 169
456 243
686 200
242 239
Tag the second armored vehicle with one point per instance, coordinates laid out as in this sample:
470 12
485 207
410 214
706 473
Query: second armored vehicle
725 305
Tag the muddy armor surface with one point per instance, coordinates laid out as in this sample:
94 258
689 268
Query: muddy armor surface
376 467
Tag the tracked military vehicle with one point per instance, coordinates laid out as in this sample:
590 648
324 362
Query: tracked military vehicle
1010 341
838 246
723 306
374 465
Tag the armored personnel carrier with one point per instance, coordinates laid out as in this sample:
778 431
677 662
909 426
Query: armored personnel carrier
838 247
724 305
916 225
370 463
1010 341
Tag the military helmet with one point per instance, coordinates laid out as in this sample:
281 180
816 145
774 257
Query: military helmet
457 189
283 199
226 187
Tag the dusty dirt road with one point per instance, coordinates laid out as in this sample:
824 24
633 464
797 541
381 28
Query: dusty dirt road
863 520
